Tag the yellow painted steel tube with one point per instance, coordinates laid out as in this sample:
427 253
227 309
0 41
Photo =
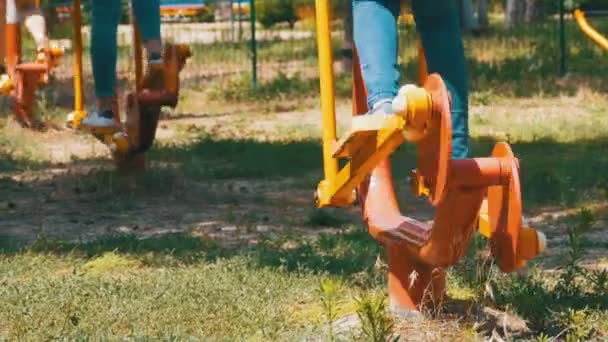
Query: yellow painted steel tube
328 104
590 31
78 91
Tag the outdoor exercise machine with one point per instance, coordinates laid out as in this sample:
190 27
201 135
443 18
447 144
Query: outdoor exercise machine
135 135
581 19
481 194
23 77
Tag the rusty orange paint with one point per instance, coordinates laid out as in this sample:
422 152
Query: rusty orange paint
13 46
422 65
434 151
419 253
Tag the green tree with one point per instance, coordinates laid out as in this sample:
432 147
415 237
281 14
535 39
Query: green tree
271 12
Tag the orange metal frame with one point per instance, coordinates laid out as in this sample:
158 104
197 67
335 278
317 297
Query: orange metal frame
470 194
25 77
418 253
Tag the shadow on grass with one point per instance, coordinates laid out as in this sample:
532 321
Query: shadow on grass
553 174
342 253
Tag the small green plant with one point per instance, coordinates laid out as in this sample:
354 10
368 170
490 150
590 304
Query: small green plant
579 324
376 325
569 282
599 282
542 338
329 292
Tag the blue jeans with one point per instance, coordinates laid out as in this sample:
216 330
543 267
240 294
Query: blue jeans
437 22
104 26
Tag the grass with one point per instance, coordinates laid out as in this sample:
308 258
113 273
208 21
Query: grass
289 270
124 287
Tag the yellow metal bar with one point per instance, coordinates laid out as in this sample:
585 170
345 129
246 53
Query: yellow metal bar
328 104
590 31
78 91
378 147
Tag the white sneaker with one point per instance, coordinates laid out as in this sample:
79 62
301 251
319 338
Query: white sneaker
382 107
99 120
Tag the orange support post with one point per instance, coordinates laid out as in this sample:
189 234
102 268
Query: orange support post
13 36
25 77
422 66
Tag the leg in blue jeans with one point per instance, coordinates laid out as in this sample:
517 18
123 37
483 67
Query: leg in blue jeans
104 25
106 14
375 31
376 39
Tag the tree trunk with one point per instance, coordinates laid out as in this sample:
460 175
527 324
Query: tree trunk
482 13
534 10
514 12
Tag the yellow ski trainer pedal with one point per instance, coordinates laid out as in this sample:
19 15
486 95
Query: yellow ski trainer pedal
6 85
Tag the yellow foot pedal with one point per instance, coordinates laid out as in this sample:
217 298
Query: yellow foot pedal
6 85
364 129
119 144
74 119
53 54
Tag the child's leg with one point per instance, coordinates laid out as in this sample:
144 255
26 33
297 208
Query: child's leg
375 33
147 14
104 26
438 24
33 19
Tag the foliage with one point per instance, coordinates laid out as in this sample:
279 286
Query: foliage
271 12
376 324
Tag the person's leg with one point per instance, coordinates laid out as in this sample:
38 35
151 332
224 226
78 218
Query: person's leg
437 23
104 25
34 21
147 14
376 40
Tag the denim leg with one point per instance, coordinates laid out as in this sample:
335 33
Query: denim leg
147 13
437 23
375 34
104 24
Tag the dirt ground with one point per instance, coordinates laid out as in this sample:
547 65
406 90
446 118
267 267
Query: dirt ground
76 195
